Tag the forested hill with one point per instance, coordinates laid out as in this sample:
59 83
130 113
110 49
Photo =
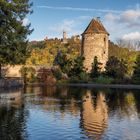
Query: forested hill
44 52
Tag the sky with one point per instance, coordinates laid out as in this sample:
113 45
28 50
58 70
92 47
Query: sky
121 18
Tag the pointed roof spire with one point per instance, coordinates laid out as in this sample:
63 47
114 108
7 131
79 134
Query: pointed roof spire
95 26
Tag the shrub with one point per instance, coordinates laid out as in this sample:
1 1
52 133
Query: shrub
29 74
46 76
104 80
84 77
74 79
57 73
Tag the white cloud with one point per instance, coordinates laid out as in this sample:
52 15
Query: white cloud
135 36
129 17
64 25
80 9
111 17
119 25
71 26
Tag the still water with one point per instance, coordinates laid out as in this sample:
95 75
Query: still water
69 113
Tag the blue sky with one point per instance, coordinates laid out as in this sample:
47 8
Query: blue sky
50 17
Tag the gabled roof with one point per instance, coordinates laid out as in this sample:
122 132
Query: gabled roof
95 26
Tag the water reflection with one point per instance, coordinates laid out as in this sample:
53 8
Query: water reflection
69 113
94 114
13 116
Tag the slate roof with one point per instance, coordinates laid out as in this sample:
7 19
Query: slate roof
95 26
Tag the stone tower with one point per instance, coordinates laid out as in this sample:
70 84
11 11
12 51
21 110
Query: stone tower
64 37
95 43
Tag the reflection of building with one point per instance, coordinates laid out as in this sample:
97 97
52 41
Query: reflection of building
94 117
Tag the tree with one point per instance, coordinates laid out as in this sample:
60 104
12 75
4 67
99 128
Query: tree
121 50
63 62
116 68
13 31
95 71
77 67
136 74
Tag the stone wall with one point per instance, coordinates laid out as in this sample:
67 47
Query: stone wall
11 71
95 44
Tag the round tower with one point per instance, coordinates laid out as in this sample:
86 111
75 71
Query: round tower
95 43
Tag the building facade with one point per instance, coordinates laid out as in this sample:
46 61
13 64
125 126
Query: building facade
95 43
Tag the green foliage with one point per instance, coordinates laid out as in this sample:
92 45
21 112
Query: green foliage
72 67
57 73
12 31
84 77
124 51
77 67
116 68
95 71
104 80
28 73
63 62
13 34
136 74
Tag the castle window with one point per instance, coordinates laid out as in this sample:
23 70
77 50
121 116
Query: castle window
104 39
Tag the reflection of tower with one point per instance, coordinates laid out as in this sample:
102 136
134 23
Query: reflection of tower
64 37
94 119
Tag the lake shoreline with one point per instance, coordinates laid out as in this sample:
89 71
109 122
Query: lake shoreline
91 85
118 86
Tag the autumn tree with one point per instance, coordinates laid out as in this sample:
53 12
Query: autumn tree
13 31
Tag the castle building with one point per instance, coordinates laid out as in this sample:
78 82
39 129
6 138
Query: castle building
95 43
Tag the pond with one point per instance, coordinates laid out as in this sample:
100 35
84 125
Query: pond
69 113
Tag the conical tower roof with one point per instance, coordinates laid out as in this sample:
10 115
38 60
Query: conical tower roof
95 26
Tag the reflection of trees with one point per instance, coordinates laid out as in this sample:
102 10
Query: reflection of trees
63 99
137 101
13 121
124 102
94 117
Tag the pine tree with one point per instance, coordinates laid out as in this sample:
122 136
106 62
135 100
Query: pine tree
95 71
13 33
136 74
